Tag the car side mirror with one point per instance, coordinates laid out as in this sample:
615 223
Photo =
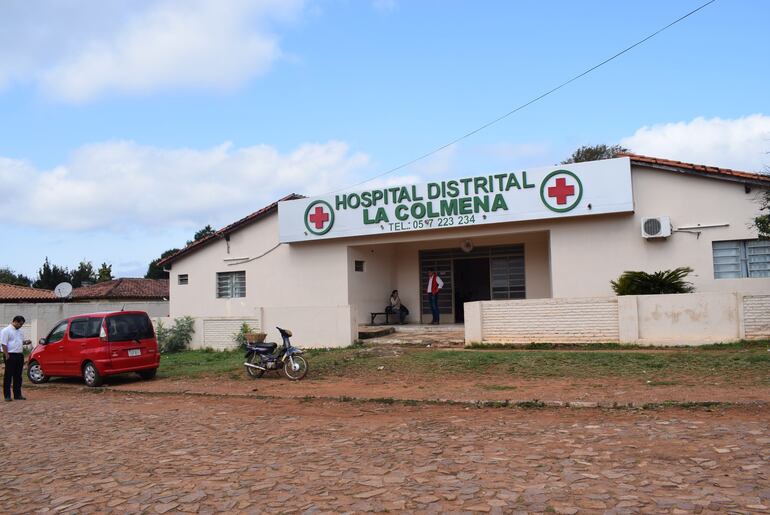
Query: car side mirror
41 341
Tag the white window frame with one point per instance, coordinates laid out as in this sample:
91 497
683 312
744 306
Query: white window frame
231 285
741 259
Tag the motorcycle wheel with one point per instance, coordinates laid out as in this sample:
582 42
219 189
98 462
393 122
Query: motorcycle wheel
254 373
298 370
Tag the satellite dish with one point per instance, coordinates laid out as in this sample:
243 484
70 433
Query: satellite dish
62 290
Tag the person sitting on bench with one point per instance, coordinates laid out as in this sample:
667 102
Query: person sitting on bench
396 307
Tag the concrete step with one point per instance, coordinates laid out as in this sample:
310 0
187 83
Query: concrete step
365 333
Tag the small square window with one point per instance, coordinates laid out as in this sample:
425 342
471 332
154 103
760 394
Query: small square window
182 278
358 266
231 284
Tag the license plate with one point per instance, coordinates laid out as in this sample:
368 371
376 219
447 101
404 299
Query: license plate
134 352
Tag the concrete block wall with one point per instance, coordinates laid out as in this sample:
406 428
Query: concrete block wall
578 320
681 319
756 316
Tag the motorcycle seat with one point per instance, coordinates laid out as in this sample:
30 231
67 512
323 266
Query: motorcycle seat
263 348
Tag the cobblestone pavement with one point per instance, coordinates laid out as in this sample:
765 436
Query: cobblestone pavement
67 451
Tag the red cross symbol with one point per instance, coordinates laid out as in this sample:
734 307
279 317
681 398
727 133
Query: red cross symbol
561 191
319 217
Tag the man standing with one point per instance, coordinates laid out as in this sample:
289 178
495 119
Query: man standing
12 343
434 286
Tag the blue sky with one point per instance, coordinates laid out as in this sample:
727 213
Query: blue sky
128 126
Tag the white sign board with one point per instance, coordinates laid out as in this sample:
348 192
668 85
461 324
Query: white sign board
593 188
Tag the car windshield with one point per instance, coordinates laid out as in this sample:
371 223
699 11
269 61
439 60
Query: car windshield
131 326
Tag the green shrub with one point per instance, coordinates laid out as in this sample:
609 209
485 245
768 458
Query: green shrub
177 338
642 283
240 337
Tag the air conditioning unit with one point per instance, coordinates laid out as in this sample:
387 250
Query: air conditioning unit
656 227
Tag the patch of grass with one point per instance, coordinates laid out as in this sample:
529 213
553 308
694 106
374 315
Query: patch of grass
745 361
730 364
496 387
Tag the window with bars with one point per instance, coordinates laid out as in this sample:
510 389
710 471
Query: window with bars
183 279
507 277
741 258
231 285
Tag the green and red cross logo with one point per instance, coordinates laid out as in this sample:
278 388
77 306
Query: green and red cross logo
561 191
319 217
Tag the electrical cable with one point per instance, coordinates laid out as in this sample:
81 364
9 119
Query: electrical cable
522 106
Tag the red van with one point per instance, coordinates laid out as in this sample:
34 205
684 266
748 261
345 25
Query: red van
96 345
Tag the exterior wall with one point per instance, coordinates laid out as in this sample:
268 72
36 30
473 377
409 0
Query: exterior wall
41 317
756 316
693 318
370 290
290 286
587 253
582 320
682 319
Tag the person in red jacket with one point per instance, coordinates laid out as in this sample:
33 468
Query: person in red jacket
434 286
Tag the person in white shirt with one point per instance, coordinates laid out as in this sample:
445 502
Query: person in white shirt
12 343
434 286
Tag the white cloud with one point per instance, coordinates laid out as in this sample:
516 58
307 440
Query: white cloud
79 50
741 143
117 185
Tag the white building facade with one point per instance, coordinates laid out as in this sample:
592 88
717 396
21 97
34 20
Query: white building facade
320 266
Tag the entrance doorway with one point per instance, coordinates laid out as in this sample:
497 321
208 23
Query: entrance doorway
471 281
484 273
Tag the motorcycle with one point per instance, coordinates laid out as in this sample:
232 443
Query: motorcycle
261 357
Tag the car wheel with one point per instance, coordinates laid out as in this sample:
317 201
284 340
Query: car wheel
35 373
91 376
148 374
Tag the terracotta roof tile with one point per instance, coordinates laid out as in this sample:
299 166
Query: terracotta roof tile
126 288
13 293
717 172
253 217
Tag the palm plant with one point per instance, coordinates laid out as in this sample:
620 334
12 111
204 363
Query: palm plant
641 283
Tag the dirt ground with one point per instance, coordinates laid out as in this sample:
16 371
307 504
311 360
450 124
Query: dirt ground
69 450
605 391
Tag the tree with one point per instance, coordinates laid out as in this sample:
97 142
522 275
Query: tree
83 274
594 153
105 273
206 231
50 275
642 283
155 271
762 222
8 276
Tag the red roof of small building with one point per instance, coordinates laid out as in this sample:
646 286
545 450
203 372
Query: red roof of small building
714 172
13 293
126 288
225 231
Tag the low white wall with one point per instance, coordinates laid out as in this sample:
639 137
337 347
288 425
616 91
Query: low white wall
312 327
682 319
547 320
694 318
756 316
41 317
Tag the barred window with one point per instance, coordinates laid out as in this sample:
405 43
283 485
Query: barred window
183 279
231 284
741 258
